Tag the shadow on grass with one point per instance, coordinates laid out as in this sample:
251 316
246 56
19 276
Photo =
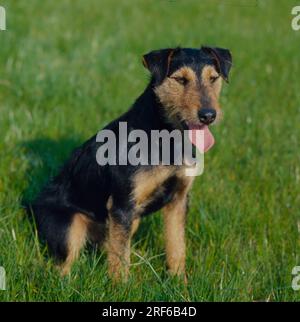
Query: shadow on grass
45 157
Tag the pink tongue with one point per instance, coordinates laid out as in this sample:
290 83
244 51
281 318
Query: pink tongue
195 137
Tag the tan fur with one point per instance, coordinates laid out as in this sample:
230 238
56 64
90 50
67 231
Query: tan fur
117 246
135 225
118 251
180 101
109 203
213 89
147 182
174 226
207 73
184 102
76 239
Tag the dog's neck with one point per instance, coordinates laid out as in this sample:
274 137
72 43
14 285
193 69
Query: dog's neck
149 108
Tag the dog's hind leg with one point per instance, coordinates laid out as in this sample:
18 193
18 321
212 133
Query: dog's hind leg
75 240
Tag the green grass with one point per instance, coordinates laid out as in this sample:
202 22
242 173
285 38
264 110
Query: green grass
69 67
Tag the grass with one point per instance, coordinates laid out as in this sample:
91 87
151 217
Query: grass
69 67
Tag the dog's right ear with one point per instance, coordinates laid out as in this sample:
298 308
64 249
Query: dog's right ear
158 63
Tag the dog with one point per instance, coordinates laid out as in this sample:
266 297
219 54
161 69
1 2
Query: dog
104 204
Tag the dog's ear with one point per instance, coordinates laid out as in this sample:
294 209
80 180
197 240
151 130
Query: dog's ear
158 62
222 58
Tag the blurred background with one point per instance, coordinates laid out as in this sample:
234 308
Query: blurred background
69 67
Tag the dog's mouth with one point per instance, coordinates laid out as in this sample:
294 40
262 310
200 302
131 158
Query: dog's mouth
196 130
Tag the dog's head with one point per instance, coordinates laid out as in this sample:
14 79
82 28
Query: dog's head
188 83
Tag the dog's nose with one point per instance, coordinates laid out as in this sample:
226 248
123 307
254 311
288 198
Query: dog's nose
207 115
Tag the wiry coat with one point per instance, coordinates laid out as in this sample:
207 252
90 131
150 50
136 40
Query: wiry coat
88 201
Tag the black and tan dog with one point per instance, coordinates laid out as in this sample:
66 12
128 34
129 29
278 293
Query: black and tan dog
86 201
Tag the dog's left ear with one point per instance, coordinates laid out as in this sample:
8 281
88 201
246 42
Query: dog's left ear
222 58
158 62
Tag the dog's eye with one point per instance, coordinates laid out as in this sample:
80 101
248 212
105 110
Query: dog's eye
213 79
181 80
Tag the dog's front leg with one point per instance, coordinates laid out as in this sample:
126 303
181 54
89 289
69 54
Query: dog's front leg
118 245
174 224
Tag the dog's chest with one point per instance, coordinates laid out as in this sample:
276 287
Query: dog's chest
154 188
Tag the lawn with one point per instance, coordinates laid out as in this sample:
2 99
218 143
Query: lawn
69 67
